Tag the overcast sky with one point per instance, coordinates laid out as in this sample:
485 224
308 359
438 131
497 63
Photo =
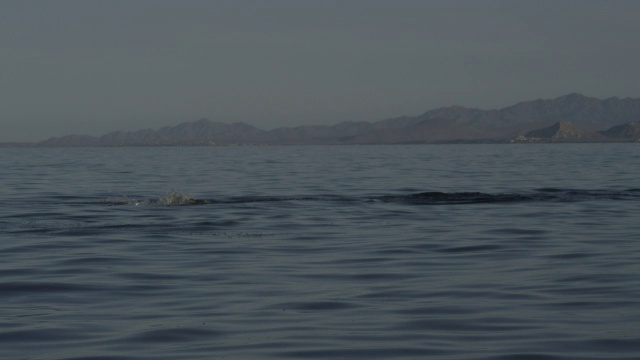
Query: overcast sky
91 67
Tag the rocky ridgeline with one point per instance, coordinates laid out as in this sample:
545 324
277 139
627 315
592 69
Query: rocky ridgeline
569 118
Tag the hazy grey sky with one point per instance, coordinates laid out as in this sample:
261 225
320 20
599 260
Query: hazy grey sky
91 67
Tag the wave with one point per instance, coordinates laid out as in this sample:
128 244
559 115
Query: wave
172 198
178 198
543 194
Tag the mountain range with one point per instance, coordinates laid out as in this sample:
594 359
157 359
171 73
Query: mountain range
570 118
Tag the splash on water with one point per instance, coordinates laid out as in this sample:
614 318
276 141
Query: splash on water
172 198
177 198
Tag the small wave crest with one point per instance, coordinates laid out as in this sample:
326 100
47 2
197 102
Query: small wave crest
435 197
172 198
180 198
544 194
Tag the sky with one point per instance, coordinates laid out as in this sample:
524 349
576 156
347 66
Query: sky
92 67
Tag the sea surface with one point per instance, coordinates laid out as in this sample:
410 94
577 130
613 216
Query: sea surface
484 252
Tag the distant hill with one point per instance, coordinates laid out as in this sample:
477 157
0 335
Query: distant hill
566 131
625 131
562 131
572 117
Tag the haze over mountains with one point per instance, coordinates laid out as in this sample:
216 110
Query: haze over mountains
569 118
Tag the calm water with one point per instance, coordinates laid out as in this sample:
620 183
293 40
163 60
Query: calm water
364 252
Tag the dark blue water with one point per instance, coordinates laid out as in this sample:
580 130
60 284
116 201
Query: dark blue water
484 252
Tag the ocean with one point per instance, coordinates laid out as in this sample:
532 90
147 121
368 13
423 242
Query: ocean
478 252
